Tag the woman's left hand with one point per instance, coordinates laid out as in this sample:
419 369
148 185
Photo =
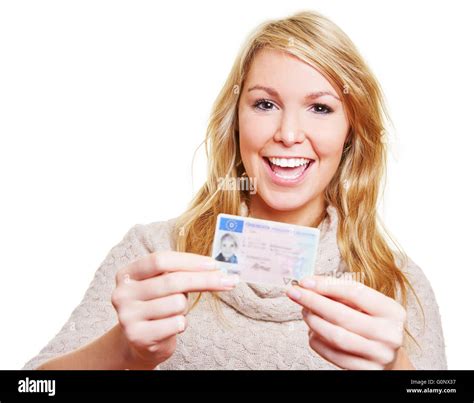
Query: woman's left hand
350 324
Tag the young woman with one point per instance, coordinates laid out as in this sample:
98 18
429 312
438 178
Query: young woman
303 116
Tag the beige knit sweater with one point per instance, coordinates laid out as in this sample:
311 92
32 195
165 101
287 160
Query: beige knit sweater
267 330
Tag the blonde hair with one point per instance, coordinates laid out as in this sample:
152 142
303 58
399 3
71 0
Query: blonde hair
355 187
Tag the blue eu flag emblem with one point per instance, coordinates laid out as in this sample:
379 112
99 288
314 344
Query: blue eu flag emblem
230 224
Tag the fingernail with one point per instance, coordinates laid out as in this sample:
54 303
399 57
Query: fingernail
304 312
294 293
308 282
210 265
228 281
181 324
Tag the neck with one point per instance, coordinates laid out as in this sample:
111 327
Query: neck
310 214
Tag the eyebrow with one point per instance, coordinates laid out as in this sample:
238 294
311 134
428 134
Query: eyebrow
311 96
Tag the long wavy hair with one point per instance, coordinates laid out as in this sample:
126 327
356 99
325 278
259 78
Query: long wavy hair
354 190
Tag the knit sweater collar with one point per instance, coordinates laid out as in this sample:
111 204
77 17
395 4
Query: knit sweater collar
270 303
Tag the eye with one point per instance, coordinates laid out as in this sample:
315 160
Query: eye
321 109
263 105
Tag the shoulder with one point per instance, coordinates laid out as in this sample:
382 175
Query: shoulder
420 286
422 303
420 292
416 276
424 324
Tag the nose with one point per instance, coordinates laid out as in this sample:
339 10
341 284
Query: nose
289 132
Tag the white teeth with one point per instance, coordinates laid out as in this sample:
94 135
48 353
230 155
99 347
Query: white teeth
289 162
288 176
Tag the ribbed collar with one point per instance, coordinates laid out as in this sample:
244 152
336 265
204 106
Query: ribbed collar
270 302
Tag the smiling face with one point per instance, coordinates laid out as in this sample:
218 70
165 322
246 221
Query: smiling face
292 128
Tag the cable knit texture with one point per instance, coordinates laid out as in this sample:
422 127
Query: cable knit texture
266 328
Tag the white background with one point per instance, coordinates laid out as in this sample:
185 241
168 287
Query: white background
102 104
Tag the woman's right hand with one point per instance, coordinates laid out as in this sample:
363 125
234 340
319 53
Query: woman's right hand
151 301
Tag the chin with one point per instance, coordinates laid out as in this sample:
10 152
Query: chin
283 201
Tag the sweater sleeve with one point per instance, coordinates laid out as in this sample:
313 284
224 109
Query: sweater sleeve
430 354
95 314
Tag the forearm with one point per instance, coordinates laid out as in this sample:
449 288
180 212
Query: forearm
109 351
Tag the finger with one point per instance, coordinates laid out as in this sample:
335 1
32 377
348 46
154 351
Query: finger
348 342
181 282
356 294
339 358
149 332
339 314
160 308
166 345
157 263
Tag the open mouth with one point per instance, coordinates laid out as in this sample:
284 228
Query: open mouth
288 168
